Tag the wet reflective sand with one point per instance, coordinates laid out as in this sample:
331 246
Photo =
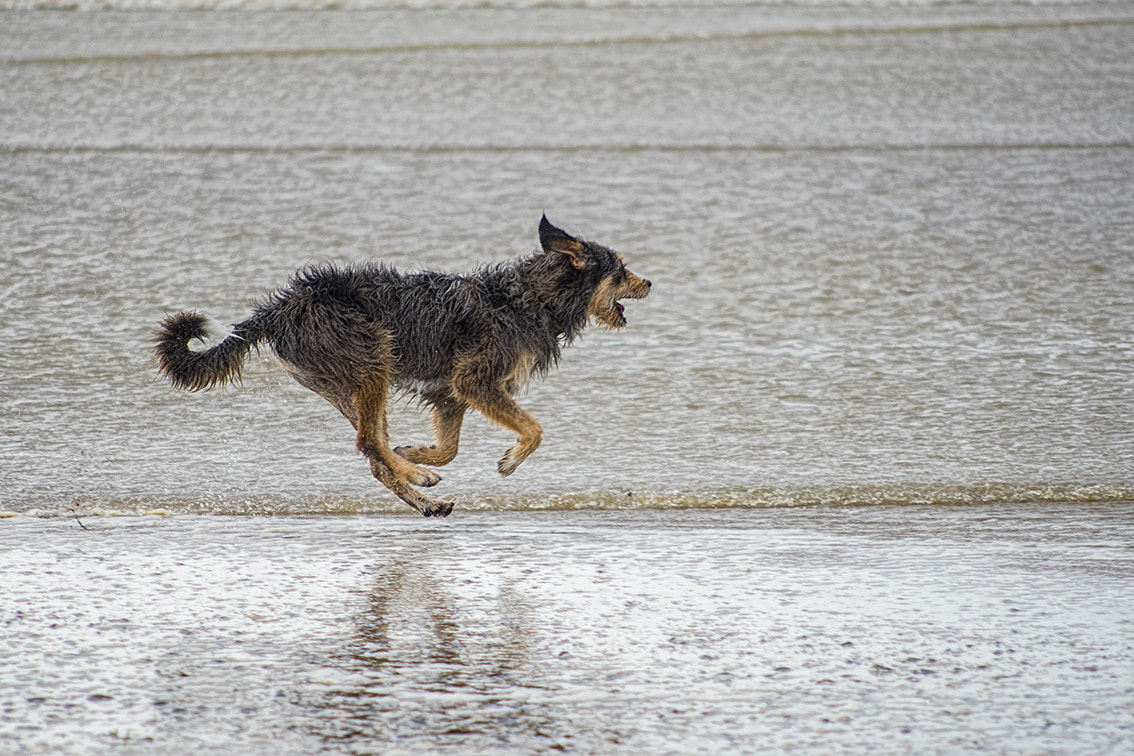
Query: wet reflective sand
900 629
895 258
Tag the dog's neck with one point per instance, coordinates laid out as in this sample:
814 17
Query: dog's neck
559 292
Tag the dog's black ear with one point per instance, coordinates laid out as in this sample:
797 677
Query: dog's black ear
554 239
549 235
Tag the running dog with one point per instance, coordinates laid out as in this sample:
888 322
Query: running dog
353 334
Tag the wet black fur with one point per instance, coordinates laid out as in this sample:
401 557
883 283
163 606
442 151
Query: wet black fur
334 320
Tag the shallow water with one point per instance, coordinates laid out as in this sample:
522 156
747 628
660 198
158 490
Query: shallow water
989 628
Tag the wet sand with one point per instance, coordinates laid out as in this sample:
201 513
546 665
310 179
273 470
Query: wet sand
912 629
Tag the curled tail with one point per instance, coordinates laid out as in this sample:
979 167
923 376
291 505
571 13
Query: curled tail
195 371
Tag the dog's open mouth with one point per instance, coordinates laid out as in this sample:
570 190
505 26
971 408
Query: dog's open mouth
605 307
617 316
609 314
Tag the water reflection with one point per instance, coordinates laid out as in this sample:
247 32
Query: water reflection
435 661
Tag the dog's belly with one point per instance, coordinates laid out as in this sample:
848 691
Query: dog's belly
422 387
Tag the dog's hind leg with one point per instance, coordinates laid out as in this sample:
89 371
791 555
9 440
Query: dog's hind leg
406 492
393 471
448 414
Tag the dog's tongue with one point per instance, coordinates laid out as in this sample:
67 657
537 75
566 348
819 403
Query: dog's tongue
621 309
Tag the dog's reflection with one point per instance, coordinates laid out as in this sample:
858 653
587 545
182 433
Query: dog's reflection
435 661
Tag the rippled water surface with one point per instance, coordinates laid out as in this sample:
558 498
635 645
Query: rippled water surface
887 360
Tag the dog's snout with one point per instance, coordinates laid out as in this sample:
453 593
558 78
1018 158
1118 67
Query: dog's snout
648 284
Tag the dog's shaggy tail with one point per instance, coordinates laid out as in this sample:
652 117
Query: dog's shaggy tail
195 371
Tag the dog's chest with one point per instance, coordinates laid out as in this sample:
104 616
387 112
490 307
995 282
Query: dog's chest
521 373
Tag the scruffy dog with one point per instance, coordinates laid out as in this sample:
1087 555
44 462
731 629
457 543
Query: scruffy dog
352 334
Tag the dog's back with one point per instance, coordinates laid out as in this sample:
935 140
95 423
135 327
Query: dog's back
521 311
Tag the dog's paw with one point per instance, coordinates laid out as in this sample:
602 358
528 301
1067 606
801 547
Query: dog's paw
507 465
438 509
412 453
424 478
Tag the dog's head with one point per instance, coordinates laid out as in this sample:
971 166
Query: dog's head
612 281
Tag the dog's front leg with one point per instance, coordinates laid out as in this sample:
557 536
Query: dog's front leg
495 404
448 415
